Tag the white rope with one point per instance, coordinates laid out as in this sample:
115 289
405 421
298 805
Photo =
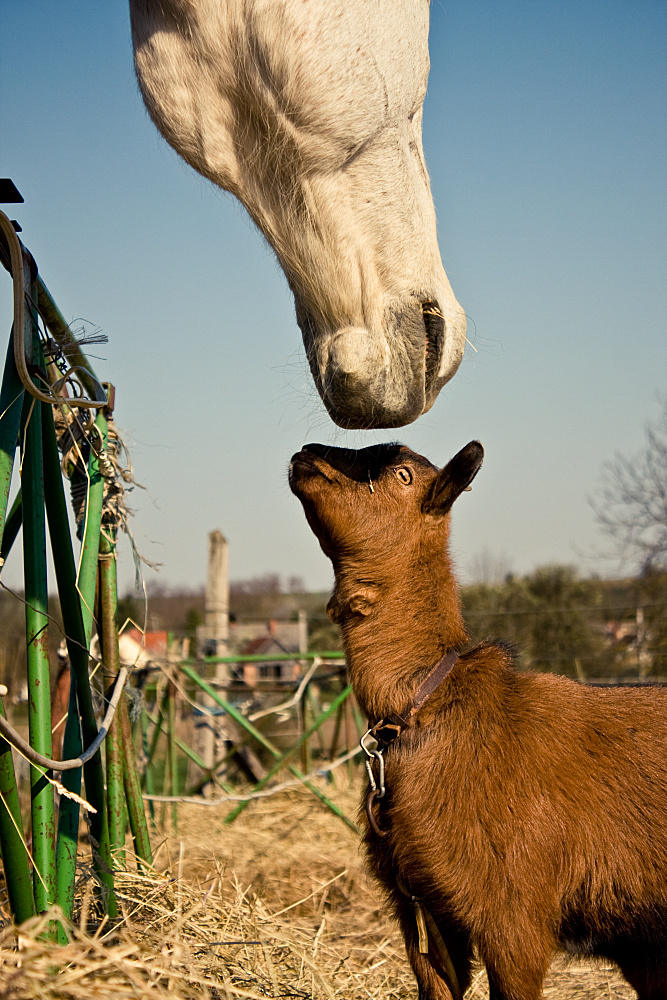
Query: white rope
265 794
296 697
27 751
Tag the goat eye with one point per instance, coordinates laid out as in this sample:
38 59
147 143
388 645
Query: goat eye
404 475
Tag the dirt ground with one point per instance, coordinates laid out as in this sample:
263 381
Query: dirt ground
275 905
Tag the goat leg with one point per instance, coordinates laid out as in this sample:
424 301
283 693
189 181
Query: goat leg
432 979
647 974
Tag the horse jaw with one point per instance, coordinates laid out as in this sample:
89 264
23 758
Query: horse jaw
382 329
309 111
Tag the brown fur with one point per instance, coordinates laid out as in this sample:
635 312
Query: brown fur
527 811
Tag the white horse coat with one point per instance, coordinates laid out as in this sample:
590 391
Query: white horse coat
309 111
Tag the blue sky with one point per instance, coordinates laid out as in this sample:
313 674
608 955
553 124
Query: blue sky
544 132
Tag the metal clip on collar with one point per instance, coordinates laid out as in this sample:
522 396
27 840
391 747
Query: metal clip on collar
377 788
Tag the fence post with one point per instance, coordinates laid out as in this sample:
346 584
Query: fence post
70 607
123 782
93 770
12 840
36 612
11 404
173 756
108 634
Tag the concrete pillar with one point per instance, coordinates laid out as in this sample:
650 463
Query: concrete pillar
213 640
216 608
303 632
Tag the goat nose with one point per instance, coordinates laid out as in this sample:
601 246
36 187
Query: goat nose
316 449
351 463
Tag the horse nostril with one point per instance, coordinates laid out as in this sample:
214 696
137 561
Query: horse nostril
434 325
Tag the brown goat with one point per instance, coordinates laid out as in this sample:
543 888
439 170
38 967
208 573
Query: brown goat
526 813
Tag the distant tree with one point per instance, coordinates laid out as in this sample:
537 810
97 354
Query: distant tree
323 634
193 618
488 567
260 596
130 607
561 637
652 599
631 501
544 614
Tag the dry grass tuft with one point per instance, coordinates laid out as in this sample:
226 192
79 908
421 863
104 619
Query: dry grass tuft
276 905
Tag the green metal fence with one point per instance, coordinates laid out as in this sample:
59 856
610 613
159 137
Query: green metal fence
59 418
177 689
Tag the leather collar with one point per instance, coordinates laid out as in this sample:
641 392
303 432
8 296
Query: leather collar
390 728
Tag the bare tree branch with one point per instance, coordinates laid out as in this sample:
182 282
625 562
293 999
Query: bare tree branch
631 502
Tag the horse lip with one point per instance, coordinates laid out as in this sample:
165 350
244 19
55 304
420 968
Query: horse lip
434 330
380 377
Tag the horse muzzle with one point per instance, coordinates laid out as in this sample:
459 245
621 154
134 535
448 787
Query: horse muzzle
387 377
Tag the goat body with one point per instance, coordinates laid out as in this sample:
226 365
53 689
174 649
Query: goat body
527 812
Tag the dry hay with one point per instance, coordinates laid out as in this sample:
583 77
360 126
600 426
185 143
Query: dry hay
275 905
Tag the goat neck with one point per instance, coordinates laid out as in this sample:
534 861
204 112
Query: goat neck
414 617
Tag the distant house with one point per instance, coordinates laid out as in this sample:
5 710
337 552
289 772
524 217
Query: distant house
138 649
623 634
263 639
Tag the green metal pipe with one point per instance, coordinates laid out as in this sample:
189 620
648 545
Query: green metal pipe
13 523
108 631
233 712
155 737
303 739
165 787
11 403
133 797
115 790
335 654
78 640
261 739
61 333
87 577
68 815
189 752
86 587
146 778
63 560
123 776
173 757
12 840
39 697
36 612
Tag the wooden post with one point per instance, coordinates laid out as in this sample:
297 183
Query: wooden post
213 637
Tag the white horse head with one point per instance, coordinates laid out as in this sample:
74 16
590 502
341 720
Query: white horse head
309 111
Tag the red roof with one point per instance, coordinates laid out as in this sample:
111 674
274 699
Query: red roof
153 642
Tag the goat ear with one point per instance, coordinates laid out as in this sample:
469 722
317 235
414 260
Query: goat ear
361 602
451 481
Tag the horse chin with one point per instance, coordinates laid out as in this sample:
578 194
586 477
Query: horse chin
369 378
